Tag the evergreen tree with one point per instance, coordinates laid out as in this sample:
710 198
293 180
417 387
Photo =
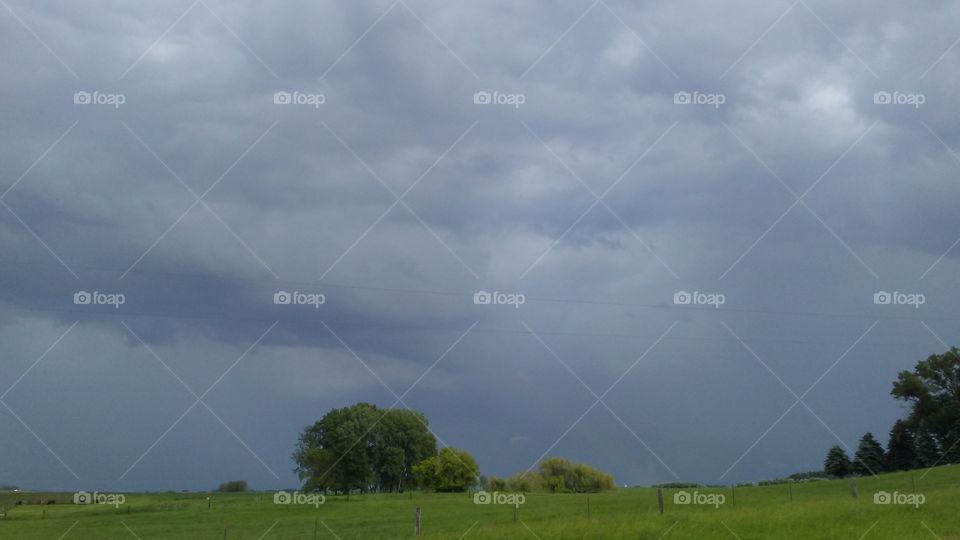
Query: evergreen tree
869 458
928 452
837 463
951 447
901 448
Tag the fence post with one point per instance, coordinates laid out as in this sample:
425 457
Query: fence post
660 499
514 513
853 487
316 523
733 493
416 522
588 507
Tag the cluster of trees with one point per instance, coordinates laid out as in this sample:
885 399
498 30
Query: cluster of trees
928 436
233 486
555 475
363 447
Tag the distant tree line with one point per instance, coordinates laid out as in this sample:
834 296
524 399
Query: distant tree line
930 433
233 486
368 449
554 475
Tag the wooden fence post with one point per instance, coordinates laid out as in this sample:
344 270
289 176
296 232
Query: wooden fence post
416 522
316 523
660 499
791 492
853 487
588 507
733 493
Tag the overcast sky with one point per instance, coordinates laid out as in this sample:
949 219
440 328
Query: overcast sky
786 161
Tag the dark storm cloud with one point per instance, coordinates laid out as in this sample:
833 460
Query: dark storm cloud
694 198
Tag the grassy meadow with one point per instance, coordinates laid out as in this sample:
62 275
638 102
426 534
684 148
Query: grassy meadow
823 509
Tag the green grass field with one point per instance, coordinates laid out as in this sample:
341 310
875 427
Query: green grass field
824 509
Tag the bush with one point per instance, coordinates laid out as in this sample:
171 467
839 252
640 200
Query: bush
233 486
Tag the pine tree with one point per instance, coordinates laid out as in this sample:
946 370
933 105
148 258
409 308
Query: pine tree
837 463
870 457
901 448
928 452
952 446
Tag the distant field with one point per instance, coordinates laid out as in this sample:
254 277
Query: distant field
823 509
